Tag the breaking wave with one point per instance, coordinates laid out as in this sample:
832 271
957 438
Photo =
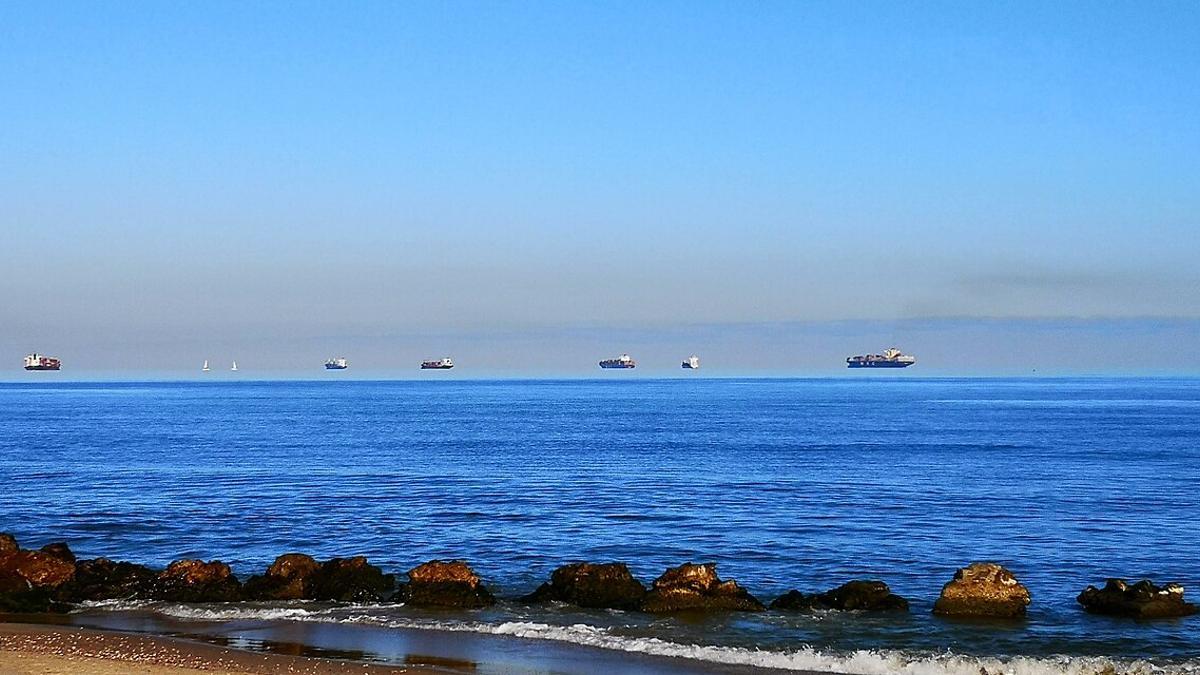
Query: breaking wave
858 662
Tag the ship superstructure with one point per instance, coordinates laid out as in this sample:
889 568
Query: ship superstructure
438 364
622 361
37 361
337 363
691 363
890 358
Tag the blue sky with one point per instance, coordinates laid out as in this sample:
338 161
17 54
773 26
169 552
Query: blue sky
281 182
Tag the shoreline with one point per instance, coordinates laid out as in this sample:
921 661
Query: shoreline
49 648
110 642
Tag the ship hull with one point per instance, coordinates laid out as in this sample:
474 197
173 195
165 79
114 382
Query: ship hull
879 364
616 367
436 367
335 367
43 367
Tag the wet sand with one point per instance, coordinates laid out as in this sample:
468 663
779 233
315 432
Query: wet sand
143 642
51 650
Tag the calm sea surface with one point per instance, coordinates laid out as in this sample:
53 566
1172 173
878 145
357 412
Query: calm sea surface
784 483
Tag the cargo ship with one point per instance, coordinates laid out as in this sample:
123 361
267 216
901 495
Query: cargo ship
439 364
622 361
338 363
37 361
691 363
890 358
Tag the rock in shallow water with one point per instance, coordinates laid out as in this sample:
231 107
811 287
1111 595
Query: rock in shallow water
983 590
196 581
1142 600
869 596
440 583
28 579
60 550
40 569
692 587
345 579
104 579
604 586
290 577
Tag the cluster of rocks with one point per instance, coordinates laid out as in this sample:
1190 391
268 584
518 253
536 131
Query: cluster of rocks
51 578
1142 600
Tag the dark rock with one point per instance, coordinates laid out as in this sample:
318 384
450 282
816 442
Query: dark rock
196 581
292 576
608 585
59 550
692 587
870 596
104 579
440 583
18 596
795 601
345 579
983 590
1142 600
8 544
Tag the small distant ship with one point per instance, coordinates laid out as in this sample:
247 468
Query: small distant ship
338 363
234 368
439 364
37 361
890 358
691 363
622 361
205 368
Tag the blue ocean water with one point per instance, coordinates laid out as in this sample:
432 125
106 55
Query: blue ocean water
784 483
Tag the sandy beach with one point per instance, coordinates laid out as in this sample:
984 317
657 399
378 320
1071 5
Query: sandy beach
28 649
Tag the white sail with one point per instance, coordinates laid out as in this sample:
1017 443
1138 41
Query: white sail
206 368
234 366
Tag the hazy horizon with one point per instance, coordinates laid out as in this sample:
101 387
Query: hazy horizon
993 188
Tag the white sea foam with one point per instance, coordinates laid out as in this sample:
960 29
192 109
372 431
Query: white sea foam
860 662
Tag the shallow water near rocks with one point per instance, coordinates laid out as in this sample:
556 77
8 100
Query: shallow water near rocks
784 483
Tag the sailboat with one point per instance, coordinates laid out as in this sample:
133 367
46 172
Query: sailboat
205 368
234 366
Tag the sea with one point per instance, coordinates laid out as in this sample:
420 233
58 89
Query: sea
784 483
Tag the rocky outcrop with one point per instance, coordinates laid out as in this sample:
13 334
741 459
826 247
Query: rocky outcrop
1142 600
691 587
868 596
440 583
348 580
196 581
607 586
104 579
8 544
983 590
291 577
28 579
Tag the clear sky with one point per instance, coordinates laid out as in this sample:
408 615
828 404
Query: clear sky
539 185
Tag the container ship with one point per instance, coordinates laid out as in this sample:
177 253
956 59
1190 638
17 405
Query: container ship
338 363
622 361
890 358
36 361
691 363
439 364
